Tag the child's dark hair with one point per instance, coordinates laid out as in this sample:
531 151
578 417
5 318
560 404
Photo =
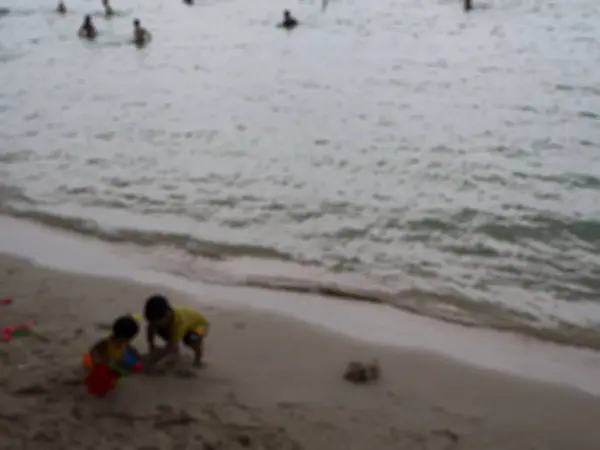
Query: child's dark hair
157 307
125 327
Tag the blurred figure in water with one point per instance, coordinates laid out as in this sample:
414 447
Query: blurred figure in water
87 29
288 21
61 8
141 36
108 11
188 2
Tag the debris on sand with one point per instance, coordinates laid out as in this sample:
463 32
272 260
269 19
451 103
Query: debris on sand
362 373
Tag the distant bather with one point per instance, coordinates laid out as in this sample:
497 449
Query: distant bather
141 36
288 21
87 29
61 8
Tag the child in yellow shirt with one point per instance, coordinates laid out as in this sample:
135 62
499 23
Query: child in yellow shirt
174 325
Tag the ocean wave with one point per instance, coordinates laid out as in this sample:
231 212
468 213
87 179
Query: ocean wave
445 305
181 241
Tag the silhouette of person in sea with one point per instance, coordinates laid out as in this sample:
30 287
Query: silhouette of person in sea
61 8
87 29
141 36
288 21
188 2
108 11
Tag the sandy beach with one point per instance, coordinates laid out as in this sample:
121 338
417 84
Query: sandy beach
393 181
269 383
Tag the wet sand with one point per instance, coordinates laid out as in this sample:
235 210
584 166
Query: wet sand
269 383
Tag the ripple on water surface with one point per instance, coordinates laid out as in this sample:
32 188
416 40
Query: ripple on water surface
392 151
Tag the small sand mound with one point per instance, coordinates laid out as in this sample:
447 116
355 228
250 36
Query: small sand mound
362 373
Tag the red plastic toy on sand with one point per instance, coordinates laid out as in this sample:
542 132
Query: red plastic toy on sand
101 380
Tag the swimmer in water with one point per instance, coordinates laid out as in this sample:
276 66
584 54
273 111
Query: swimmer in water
61 8
87 29
108 11
288 22
140 35
188 2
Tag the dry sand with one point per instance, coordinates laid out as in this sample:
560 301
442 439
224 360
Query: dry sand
269 383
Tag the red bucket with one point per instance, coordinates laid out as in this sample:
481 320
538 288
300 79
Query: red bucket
101 380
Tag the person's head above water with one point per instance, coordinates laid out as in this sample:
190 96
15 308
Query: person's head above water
289 21
87 29
140 35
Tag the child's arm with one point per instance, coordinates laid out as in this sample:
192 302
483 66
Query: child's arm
150 336
99 352
172 348
134 351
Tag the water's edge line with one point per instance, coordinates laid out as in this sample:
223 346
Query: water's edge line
417 302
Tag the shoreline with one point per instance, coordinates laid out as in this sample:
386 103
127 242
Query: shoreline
562 323
505 352
270 383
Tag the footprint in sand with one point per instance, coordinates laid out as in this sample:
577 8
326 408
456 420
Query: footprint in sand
167 420
244 440
442 440
103 326
32 390
433 440
185 373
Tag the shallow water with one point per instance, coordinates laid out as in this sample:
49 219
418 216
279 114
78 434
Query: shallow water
391 151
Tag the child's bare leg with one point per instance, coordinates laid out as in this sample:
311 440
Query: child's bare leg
198 349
